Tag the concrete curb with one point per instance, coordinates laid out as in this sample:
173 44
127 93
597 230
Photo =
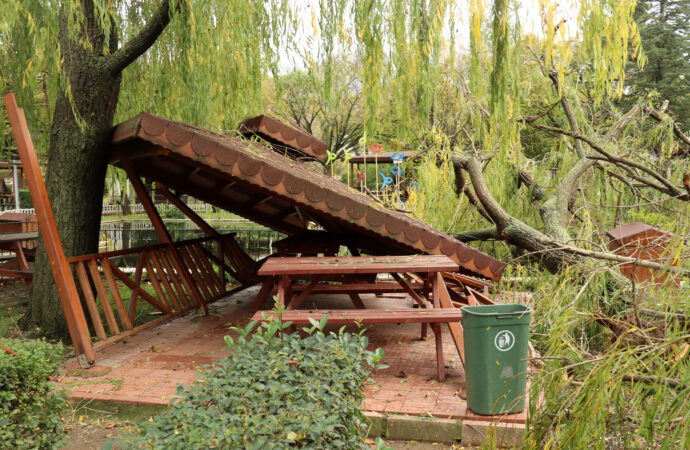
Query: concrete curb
448 431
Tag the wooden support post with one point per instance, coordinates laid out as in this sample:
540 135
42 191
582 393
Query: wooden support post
64 281
159 226
440 365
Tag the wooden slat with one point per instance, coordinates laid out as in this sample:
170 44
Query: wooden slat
220 261
90 301
356 265
137 283
163 276
189 263
409 289
115 292
103 297
174 277
192 290
198 266
205 269
163 302
351 316
203 255
455 327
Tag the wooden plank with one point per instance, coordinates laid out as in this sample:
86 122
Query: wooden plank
351 316
186 210
174 277
220 261
440 367
481 297
90 301
64 280
189 264
115 292
409 289
9 238
356 264
103 297
203 270
357 301
455 327
211 274
191 288
163 276
134 297
163 303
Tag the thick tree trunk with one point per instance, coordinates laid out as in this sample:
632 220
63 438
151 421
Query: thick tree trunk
77 156
75 176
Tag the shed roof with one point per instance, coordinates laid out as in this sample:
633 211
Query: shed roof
268 188
633 229
284 138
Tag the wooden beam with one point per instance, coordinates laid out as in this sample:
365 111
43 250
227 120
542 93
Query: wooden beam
64 281
186 210
158 225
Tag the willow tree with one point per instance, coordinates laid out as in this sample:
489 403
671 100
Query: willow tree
203 62
209 60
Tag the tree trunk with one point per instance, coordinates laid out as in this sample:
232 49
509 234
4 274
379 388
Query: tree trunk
77 162
78 151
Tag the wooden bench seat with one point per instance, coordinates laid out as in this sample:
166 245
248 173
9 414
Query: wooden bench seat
350 316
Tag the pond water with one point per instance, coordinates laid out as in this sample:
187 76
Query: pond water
254 239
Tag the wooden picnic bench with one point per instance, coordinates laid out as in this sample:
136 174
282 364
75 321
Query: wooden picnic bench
417 275
17 266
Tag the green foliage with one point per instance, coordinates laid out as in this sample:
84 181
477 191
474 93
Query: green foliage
665 31
277 390
600 389
25 199
174 213
29 407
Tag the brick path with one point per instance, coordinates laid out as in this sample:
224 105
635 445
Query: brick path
146 369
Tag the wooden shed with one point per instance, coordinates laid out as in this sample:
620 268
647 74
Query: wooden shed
643 241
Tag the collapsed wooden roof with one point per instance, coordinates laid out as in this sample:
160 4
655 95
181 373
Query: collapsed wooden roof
269 188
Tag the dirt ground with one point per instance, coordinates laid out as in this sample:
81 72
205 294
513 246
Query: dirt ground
92 424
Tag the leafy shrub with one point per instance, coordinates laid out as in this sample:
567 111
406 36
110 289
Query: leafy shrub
174 213
277 390
29 408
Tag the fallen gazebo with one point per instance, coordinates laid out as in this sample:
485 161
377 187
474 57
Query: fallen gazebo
268 184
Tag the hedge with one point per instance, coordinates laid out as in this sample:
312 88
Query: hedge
29 407
277 390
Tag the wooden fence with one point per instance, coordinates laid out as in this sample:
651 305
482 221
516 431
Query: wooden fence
168 280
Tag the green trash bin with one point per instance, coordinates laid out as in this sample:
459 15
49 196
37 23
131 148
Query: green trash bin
496 340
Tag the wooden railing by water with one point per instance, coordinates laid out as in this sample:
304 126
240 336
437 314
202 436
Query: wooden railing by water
168 280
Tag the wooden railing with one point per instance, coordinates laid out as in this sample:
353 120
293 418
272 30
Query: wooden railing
167 280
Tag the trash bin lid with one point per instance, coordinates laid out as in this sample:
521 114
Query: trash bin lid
512 310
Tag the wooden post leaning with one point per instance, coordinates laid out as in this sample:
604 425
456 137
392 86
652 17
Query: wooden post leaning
66 287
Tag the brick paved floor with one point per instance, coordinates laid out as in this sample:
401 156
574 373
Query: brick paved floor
147 368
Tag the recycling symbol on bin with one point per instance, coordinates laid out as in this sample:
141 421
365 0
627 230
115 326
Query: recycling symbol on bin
504 340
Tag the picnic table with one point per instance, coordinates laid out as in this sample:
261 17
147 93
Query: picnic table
417 275
12 242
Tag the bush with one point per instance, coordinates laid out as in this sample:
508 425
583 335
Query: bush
29 408
276 390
